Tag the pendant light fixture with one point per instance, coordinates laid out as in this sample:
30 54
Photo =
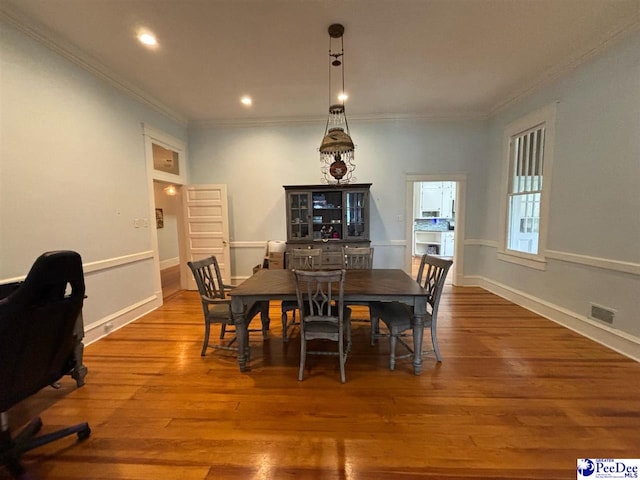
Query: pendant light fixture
336 148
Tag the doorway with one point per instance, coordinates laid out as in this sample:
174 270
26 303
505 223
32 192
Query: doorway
168 205
166 167
435 220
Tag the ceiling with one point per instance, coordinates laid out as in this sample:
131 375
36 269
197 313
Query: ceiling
403 58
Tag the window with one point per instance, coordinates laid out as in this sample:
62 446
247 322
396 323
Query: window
165 156
528 152
526 168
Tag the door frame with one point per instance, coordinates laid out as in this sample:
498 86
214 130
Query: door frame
152 135
461 192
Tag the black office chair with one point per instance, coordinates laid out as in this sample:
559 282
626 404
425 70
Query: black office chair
37 345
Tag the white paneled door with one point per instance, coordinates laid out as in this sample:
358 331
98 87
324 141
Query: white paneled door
207 227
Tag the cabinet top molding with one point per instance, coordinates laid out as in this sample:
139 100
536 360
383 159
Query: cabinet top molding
345 186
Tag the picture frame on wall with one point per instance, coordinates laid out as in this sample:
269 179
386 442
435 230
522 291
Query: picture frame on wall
159 218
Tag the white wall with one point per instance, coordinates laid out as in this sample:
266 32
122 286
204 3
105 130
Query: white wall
595 205
73 176
256 162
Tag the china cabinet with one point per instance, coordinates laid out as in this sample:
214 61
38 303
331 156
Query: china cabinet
328 217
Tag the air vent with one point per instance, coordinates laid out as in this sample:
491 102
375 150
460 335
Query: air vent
603 314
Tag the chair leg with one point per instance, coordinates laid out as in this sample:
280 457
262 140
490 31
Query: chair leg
285 321
205 344
32 428
434 341
223 330
303 356
393 340
375 326
342 359
12 449
264 319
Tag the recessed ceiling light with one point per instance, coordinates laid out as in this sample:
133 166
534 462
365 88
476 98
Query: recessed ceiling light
147 39
246 100
343 96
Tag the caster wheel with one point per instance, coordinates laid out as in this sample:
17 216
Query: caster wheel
84 434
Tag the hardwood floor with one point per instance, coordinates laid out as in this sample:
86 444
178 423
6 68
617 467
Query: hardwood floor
516 397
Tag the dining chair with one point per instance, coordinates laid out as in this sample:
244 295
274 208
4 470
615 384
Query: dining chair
216 306
360 258
399 317
299 259
323 314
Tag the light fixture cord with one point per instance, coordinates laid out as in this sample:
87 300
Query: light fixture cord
346 124
326 128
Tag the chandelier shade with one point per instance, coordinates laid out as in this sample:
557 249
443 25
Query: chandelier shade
337 148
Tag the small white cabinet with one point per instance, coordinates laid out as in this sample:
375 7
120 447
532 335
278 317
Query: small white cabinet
433 243
448 199
447 244
437 199
427 242
431 199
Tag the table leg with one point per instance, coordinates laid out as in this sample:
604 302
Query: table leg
237 309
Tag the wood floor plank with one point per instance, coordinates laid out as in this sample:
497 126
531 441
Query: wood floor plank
516 397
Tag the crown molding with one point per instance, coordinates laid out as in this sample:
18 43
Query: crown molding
317 120
52 41
49 39
579 58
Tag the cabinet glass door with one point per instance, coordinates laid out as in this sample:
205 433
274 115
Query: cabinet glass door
355 226
327 215
299 216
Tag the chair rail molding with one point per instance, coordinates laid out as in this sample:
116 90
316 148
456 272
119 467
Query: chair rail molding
605 263
579 259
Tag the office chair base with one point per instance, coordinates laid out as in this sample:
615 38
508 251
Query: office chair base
12 449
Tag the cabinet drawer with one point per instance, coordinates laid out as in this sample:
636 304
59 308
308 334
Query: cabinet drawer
331 260
332 247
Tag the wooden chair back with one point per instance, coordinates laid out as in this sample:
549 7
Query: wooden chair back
208 277
305 259
360 258
431 276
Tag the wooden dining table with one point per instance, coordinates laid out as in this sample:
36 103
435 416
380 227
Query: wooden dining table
382 285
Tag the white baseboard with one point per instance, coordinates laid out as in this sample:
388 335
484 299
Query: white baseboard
170 262
621 342
103 327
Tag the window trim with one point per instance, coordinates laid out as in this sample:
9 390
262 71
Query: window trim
546 116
